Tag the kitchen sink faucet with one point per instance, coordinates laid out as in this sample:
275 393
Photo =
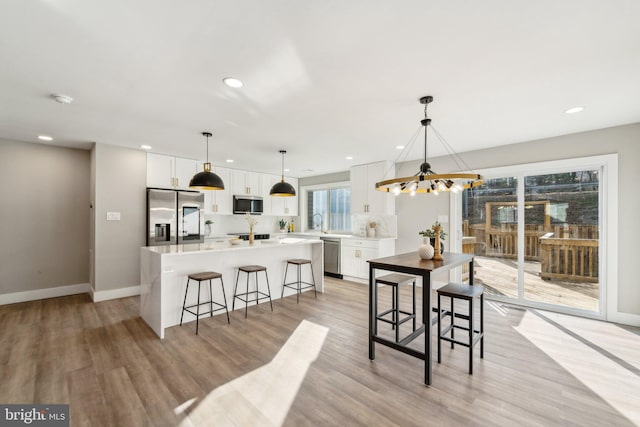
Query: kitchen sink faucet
321 221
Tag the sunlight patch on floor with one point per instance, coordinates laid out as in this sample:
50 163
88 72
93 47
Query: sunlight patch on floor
263 397
604 373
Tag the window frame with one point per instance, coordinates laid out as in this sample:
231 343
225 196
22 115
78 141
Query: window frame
303 200
608 224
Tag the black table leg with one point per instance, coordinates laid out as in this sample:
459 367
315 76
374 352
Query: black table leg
426 321
471 272
373 307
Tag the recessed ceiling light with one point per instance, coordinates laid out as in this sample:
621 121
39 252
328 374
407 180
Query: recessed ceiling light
62 99
146 147
349 158
399 147
231 82
45 138
229 160
574 110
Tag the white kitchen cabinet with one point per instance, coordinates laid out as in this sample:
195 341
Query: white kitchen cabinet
219 201
170 172
247 183
354 254
364 197
267 200
284 206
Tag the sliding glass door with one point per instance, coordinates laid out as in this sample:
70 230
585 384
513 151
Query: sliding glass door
537 237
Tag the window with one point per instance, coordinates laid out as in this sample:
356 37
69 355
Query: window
329 209
544 234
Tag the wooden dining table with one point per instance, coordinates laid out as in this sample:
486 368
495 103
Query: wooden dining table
410 263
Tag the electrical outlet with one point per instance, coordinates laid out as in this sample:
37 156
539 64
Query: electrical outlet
113 216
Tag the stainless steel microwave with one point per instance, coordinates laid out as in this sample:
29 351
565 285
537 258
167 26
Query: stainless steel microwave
247 204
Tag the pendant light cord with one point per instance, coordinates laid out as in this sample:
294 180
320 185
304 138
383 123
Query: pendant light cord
207 148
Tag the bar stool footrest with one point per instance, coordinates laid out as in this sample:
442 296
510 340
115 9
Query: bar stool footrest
294 285
253 294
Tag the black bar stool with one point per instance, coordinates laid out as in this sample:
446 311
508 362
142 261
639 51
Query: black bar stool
200 277
468 293
256 295
395 280
297 285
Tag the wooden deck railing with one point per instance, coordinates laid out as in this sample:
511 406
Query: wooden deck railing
562 257
569 259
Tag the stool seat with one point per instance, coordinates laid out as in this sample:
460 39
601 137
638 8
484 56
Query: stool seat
206 275
252 268
395 279
461 290
299 261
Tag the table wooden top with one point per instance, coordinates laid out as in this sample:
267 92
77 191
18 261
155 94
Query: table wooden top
412 261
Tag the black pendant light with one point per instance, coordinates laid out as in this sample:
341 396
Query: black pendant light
206 180
282 189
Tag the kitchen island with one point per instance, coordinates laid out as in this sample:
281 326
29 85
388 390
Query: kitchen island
164 270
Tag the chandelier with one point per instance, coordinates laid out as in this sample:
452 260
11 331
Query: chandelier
426 180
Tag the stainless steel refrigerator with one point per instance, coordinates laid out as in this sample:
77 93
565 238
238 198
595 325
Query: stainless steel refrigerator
174 217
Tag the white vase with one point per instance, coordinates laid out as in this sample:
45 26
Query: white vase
425 250
207 229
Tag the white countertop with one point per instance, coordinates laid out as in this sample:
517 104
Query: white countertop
340 236
226 246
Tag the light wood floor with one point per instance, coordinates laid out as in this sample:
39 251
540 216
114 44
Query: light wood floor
540 369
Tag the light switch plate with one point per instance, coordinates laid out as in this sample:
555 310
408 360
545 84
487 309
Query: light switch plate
113 216
443 218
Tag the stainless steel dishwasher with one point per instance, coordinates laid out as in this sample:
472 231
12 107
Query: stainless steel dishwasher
331 256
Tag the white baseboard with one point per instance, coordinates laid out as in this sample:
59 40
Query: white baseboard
114 294
624 318
59 291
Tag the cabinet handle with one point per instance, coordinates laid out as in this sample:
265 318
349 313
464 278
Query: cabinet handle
177 182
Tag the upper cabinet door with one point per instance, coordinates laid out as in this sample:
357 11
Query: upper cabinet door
359 190
291 203
223 199
219 201
247 183
185 169
160 171
170 172
380 202
364 196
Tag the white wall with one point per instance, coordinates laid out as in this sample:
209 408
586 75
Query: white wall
416 213
120 186
44 218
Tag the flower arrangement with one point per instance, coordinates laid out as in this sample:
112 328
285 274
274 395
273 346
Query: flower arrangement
208 222
430 232
373 224
282 223
252 221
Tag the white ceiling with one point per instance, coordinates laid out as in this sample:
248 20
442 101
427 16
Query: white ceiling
323 79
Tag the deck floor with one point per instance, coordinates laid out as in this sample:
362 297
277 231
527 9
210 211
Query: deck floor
500 276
